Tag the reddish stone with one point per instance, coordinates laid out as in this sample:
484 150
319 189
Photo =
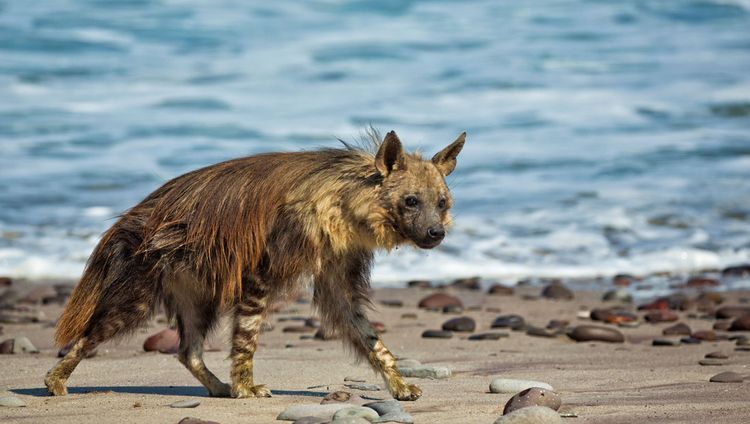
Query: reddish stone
705 335
165 341
378 326
661 316
439 301
726 312
678 329
500 289
741 324
702 282
5 281
660 304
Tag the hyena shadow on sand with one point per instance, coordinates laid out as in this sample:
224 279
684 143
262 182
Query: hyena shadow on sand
178 391
238 236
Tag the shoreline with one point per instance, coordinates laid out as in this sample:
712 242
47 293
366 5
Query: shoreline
598 382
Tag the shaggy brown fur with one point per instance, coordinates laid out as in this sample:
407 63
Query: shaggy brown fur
239 235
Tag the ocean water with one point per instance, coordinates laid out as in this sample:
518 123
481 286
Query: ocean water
604 136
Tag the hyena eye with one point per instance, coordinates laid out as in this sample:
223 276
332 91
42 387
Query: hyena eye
441 204
411 201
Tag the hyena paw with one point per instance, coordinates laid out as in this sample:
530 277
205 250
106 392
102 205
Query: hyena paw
407 392
221 390
55 387
242 391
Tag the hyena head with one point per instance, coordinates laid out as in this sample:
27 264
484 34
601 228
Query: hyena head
414 193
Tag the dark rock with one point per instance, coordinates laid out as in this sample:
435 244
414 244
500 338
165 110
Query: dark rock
726 377
740 324
541 332
6 282
665 342
452 309
678 329
437 334
165 341
690 340
508 321
556 324
722 325
717 355
464 324
661 316
558 291
727 312
488 336
534 396
708 362
623 280
392 303
705 335
409 315
613 316
586 333
712 297
422 284
18 345
298 329
191 420
312 322
659 304
736 271
702 282
471 283
499 289
6 347
438 301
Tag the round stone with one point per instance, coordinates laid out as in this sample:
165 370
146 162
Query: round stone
712 362
488 336
505 321
11 402
593 333
425 371
705 335
541 332
187 403
726 377
356 411
165 341
557 291
533 396
531 415
436 334
726 312
438 301
741 324
500 290
717 355
463 324
679 329
661 316
665 342
512 385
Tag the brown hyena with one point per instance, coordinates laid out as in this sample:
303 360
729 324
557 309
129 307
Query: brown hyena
239 235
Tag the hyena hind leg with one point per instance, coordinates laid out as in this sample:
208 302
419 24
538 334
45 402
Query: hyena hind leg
57 377
192 337
248 317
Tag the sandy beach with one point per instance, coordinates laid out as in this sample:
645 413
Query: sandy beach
597 382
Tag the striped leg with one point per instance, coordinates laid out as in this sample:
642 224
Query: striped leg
57 376
248 317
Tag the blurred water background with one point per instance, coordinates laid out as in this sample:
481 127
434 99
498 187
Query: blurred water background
604 136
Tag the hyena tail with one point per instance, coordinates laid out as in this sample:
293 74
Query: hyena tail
117 292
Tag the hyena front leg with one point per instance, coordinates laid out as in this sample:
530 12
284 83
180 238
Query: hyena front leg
341 296
248 317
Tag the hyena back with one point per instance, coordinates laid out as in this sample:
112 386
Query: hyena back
240 235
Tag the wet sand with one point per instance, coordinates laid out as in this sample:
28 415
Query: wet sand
600 382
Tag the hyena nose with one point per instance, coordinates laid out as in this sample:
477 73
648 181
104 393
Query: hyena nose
436 233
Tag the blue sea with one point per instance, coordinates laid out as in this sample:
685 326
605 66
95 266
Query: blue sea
604 137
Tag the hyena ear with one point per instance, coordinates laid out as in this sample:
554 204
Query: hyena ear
445 160
390 155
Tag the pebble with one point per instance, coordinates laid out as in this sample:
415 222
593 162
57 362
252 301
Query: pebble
541 332
408 362
363 386
11 402
312 322
741 324
499 289
350 420
355 379
17 345
437 334
409 315
661 316
295 412
425 371
690 340
312 420
471 283
191 420
534 396
392 303
665 342
679 329
717 355
187 403
619 295
705 335
508 321
726 377
557 324
438 301
341 396
488 336
511 385
452 309
593 333
712 361
463 324
356 412
722 325
298 329
726 312
422 284
531 415
742 341
390 411
165 341
659 304
557 290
